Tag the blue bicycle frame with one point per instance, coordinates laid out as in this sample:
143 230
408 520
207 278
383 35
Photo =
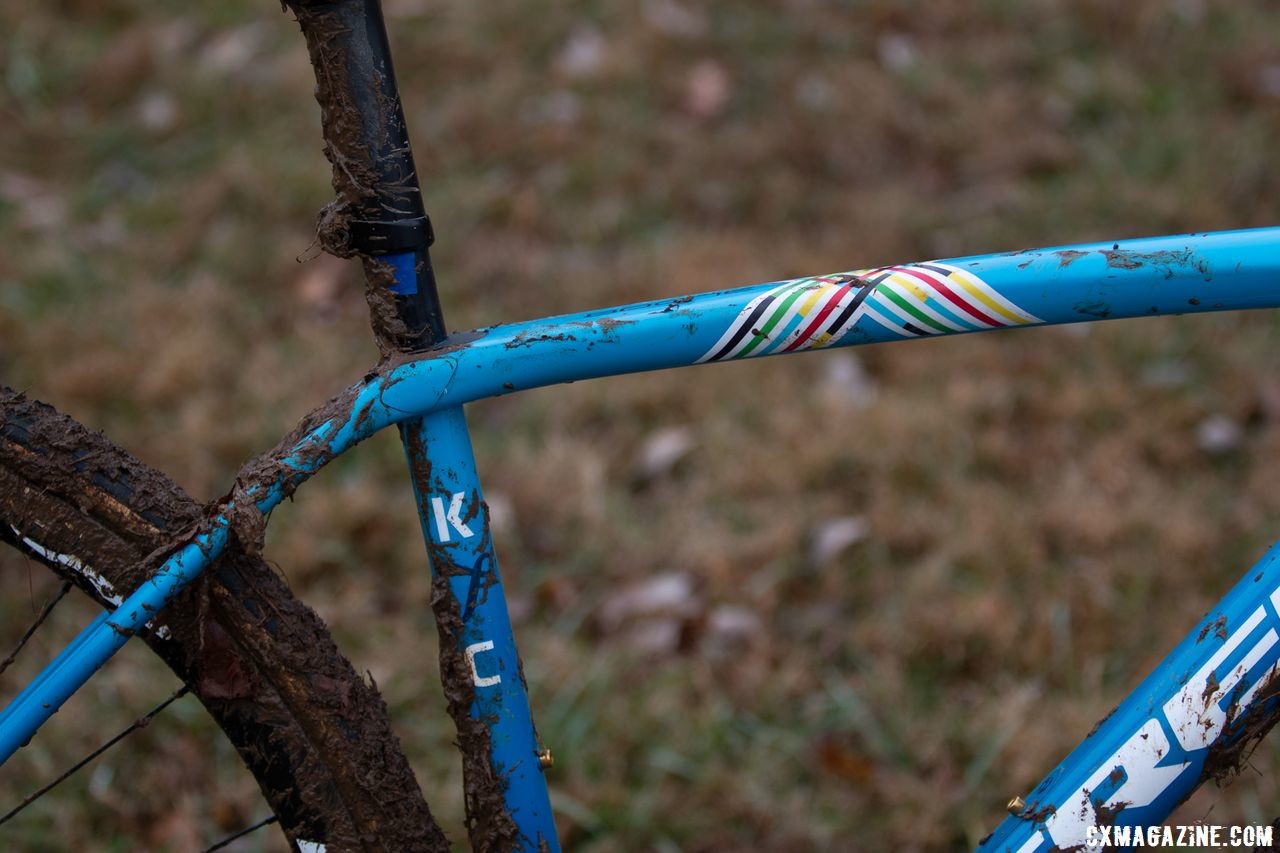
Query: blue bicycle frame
1191 718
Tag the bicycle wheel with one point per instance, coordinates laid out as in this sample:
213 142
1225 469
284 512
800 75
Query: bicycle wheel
314 735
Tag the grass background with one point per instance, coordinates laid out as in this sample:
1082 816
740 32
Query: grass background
1042 513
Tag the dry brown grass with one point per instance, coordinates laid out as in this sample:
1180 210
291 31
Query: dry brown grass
1042 519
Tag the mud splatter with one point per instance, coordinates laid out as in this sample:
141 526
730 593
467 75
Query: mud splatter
1218 627
1240 736
1122 260
389 328
489 824
1037 813
353 177
1101 310
1101 722
314 734
366 187
1171 262
1105 815
526 339
1210 689
248 525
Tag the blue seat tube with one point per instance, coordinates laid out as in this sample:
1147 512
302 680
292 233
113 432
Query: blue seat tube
508 801
479 662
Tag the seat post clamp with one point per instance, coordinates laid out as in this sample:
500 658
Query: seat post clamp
371 237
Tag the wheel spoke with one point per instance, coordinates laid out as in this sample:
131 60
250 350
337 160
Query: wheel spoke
266 821
43 615
139 723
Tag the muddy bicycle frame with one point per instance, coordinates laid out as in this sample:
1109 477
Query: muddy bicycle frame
1194 717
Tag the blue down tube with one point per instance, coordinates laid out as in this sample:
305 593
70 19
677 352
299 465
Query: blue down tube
1189 720
471 610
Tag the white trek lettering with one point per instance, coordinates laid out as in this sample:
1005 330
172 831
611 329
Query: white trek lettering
452 519
1196 712
1196 717
471 651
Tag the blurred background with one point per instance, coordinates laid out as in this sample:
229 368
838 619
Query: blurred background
854 599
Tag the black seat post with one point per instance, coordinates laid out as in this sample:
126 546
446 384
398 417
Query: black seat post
378 214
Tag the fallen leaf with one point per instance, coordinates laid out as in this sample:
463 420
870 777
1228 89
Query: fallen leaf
1218 434
834 536
707 89
663 449
670 594
583 52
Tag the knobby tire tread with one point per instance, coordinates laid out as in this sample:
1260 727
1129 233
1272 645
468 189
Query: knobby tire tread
314 734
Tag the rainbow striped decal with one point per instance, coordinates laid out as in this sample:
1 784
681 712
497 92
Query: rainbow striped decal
937 299
915 300
802 314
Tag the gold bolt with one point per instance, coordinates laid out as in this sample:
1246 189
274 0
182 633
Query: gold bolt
1017 806
545 760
